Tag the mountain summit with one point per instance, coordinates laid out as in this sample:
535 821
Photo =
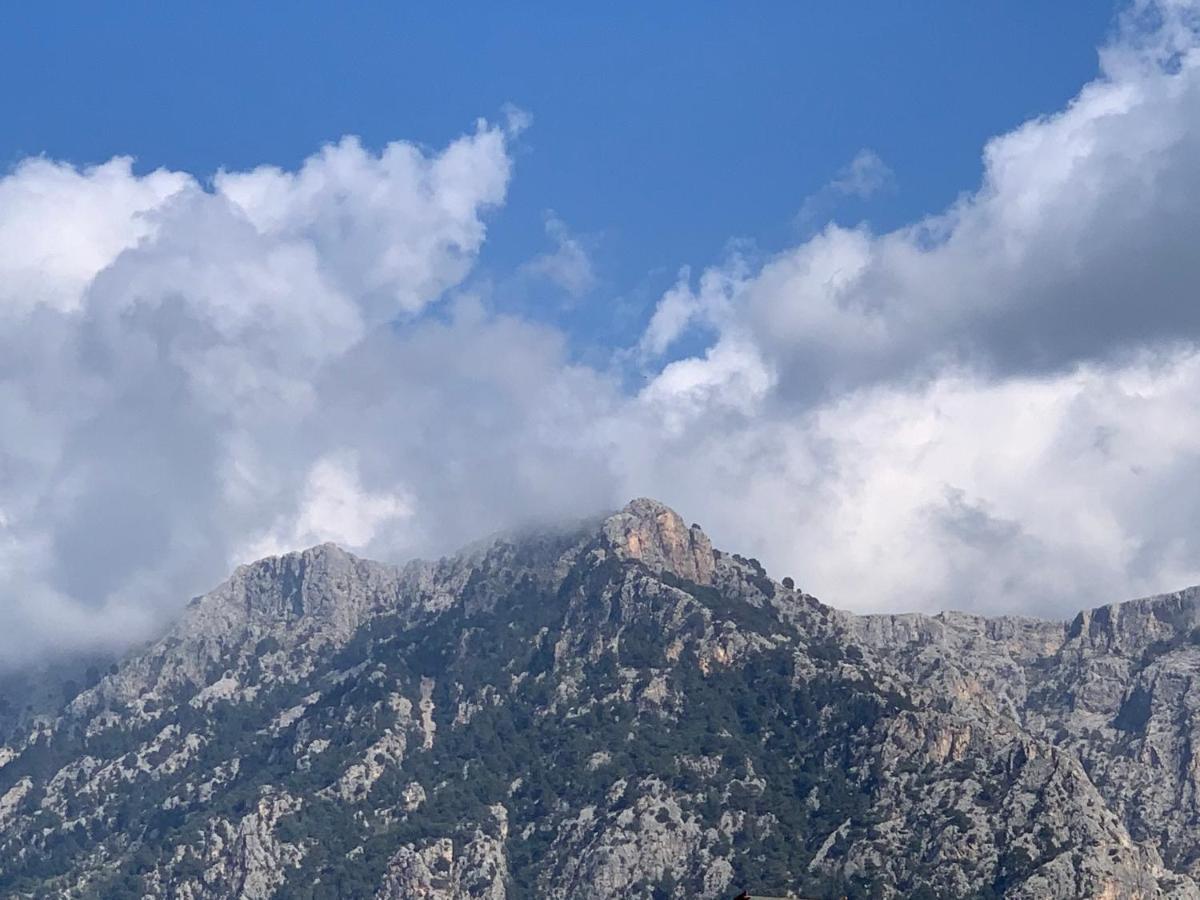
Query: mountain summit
611 710
654 534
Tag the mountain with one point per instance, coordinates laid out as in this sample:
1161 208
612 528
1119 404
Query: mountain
612 710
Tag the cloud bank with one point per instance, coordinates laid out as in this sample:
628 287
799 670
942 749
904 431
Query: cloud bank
995 408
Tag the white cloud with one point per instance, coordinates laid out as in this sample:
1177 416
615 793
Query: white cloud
160 384
1028 494
393 230
333 507
61 225
864 176
992 408
711 306
568 266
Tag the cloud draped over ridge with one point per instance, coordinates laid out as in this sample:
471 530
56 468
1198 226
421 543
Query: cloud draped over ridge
162 346
995 408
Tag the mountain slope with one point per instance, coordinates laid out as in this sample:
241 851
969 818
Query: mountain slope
1114 688
615 710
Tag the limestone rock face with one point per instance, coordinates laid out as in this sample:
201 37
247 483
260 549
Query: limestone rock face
1112 691
606 711
437 872
244 858
654 534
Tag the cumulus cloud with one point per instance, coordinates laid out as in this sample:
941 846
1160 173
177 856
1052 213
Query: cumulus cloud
1079 244
60 226
993 408
1028 494
334 507
682 308
162 348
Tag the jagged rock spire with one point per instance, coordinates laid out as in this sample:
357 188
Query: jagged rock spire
653 533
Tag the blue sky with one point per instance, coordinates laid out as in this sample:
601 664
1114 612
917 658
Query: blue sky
897 297
660 132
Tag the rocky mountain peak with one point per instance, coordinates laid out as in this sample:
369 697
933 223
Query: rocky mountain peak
610 709
654 534
302 584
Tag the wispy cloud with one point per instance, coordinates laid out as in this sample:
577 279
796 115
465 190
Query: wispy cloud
865 176
568 265
862 178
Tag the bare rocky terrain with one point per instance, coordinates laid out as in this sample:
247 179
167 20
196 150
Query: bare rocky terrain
611 710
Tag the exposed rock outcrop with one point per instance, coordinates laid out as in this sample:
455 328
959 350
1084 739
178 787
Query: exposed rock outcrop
655 534
607 711
478 869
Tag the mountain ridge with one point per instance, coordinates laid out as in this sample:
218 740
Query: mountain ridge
608 709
